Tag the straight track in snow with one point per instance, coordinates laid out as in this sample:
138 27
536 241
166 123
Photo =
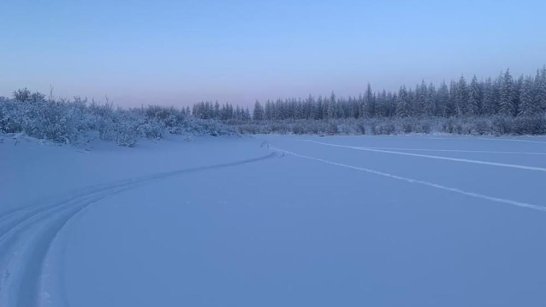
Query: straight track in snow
471 161
418 181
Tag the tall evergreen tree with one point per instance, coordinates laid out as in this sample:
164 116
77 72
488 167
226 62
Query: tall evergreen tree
420 99
475 98
461 96
331 109
506 99
258 113
451 108
403 103
431 104
368 108
442 100
529 105
540 85
489 101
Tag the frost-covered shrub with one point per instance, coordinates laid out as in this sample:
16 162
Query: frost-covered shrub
75 121
298 128
501 125
9 117
124 135
151 129
361 128
332 128
58 121
407 127
529 125
382 126
101 119
481 126
424 127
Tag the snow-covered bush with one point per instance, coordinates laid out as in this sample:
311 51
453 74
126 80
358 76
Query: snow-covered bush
497 125
58 121
75 121
529 125
9 117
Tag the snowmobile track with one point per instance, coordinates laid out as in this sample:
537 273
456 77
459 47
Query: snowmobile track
28 234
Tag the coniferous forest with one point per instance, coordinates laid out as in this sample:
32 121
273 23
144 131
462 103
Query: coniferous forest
504 96
503 105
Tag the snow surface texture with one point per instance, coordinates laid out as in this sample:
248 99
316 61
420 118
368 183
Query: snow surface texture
275 221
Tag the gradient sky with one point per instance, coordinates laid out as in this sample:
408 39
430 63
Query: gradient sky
181 52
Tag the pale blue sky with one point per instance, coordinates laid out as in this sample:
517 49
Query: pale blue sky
180 52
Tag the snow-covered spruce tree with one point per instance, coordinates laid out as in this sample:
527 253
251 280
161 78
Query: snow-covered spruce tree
268 110
461 97
403 103
331 107
368 104
419 100
215 113
442 101
516 98
431 103
507 95
475 98
540 85
258 113
451 107
490 97
529 104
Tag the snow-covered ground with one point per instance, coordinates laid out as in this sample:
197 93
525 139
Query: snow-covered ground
275 221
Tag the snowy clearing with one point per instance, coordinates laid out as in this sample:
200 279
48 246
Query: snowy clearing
275 221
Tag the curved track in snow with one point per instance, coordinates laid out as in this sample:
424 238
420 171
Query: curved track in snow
28 234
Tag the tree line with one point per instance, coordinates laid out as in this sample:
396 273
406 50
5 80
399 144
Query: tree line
502 96
208 110
504 105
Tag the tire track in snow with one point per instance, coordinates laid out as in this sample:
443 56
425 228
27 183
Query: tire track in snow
12 219
25 245
512 140
492 139
24 265
418 181
461 151
507 165
15 219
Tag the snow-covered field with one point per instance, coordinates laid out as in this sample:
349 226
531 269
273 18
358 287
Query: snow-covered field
275 221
